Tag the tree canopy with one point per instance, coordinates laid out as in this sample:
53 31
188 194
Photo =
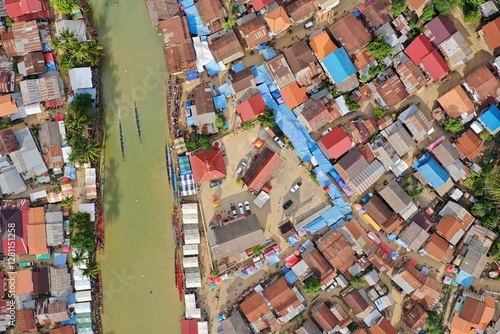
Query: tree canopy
445 6
428 14
73 53
453 125
64 6
379 48
82 231
379 112
398 7
312 286
267 118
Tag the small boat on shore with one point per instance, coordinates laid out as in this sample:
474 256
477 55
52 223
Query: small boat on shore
137 121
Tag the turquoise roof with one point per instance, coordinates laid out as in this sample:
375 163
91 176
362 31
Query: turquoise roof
432 171
339 65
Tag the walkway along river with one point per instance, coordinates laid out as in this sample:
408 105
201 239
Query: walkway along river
138 261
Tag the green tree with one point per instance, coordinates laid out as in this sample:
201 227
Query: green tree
494 253
481 208
65 41
471 14
68 202
453 125
493 187
64 6
428 14
350 103
80 223
219 122
485 135
379 48
267 118
229 24
78 257
191 145
92 270
375 70
379 112
398 7
312 286
204 143
86 151
446 6
257 250
8 22
474 3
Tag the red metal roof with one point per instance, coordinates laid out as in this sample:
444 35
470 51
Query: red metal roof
207 166
261 169
435 65
419 48
25 10
251 108
189 326
259 4
335 143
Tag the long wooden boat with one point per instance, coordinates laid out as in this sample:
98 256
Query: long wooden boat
137 121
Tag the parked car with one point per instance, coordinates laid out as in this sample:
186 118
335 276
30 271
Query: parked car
279 142
326 131
241 167
240 207
296 187
331 287
309 24
287 204
233 211
247 207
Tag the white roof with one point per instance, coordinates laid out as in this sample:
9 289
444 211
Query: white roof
80 77
476 127
81 285
202 327
88 208
372 278
190 213
38 195
300 268
190 249
190 262
261 199
82 307
192 312
83 296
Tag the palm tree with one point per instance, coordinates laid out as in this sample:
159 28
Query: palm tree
493 187
92 270
78 257
65 41
76 122
68 202
85 152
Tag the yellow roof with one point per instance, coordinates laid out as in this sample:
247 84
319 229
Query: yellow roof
370 221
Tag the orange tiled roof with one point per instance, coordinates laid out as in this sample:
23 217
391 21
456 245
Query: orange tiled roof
322 45
278 20
24 281
456 102
294 95
7 105
491 33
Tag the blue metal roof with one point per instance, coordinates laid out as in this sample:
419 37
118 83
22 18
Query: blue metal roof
432 171
491 119
339 65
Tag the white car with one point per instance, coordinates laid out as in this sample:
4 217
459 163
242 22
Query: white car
240 207
296 187
326 131
279 142
241 167
247 207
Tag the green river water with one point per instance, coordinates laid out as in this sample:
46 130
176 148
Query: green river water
138 263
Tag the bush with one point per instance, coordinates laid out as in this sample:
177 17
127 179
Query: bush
64 6
379 112
485 135
229 24
267 118
375 70
453 125
312 286
219 122
204 143
428 14
398 7
257 250
239 182
247 125
379 48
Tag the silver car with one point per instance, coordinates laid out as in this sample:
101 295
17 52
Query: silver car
240 207
241 167
279 142
247 207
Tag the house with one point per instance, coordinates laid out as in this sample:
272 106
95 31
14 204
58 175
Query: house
335 143
251 108
357 172
177 45
382 261
326 5
429 171
211 14
49 313
439 248
25 320
413 237
488 8
26 10
376 14
416 121
322 45
8 142
261 169
207 166
473 263
416 319
54 228
439 29
278 20
80 78
378 210
308 327
226 48
490 119
319 266
482 85
44 89
160 10
41 281
10 180
60 281
37 238
259 4
478 238
398 200
63 330
388 88
469 145
50 144
410 75
419 48
300 10
303 64
448 157
204 109
7 81
399 138
287 302
457 211
362 60
232 239
331 319
28 160
429 294
23 279
76 27
383 326
339 66
457 50
408 279
235 325
258 314
15 213
314 114
456 103
33 63
294 95
279 71
358 303
8 107
358 238
491 33
243 85
473 314
23 39
252 30
435 65
350 32
336 249
418 5
357 130
388 157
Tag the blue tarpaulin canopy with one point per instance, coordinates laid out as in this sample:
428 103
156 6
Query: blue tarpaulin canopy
220 102
268 53
464 279
262 88
315 225
192 75
238 67
225 90
291 277
60 259
194 20
260 74
213 68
